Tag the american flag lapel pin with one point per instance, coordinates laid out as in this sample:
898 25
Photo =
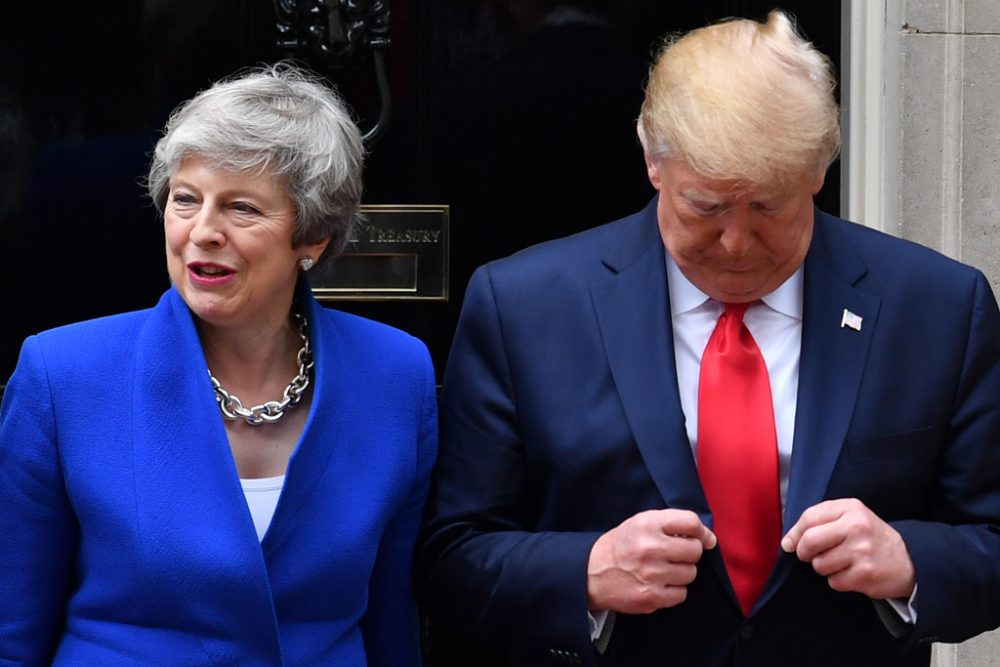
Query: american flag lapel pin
850 320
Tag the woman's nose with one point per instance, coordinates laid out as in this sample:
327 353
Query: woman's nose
207 229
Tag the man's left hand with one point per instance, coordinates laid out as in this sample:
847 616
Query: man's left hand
853 548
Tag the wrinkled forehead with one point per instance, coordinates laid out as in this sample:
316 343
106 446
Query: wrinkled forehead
731 192
690 183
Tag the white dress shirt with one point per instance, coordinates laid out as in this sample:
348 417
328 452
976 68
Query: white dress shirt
775 322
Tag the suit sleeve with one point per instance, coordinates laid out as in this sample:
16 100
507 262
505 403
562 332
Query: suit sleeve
37 525
956 554
484 568
391 624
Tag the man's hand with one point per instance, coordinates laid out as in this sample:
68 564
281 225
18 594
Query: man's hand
855 550
647 561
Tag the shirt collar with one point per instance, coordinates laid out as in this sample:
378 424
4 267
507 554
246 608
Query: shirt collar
684 296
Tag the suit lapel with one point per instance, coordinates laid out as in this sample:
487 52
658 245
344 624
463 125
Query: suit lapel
831 364
633 313
191 512
319 439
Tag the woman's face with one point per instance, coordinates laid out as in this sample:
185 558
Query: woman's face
229 245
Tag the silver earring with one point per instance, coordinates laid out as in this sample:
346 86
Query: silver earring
306 263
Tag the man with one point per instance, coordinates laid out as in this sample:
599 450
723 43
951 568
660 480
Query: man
730 429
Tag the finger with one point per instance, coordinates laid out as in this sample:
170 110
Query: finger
790 541
708 538
682 550
669 574
680 575
832 562
673 596
685 523
820 539
852 578
819 514
659 597
660 549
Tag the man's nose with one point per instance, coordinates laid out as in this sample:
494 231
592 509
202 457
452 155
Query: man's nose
737 234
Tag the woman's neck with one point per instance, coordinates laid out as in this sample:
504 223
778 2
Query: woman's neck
254 363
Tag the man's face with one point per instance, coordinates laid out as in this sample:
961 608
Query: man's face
735 244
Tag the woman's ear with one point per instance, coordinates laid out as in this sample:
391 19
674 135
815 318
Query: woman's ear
312 251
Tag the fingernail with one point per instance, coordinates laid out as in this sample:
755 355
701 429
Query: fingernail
786 544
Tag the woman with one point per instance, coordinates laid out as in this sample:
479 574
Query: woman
127 538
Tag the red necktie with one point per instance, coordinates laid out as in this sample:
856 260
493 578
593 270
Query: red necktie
738 454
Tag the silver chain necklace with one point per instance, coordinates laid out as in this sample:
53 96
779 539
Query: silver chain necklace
271 411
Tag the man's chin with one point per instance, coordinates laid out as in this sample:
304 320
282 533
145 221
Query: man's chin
737 291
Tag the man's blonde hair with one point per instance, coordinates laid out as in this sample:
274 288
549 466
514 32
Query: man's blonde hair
742 101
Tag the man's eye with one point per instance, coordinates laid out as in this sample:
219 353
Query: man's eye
705 207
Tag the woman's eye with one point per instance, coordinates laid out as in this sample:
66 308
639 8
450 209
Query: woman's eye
243 207
181 198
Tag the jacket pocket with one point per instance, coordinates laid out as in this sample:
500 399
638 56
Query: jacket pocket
890 446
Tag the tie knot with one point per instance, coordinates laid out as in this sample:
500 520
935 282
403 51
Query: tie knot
736 310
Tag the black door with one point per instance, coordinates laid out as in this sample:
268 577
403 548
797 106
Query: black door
519 114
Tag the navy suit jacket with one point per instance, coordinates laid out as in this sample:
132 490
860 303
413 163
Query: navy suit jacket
125 538
561 418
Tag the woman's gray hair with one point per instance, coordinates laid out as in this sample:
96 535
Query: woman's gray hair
280 121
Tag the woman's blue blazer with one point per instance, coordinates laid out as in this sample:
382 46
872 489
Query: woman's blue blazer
125 538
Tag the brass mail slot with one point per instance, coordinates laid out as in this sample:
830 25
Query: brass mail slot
398 253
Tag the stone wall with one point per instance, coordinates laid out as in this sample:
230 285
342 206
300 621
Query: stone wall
923 114
949 120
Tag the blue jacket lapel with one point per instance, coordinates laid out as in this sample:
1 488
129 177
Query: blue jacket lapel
315 450
190 507
831 365
633 312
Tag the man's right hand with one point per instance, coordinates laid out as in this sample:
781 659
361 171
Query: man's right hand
647 561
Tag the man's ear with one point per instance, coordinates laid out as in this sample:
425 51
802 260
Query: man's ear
818 184
652 171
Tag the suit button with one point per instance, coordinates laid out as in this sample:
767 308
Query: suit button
746 632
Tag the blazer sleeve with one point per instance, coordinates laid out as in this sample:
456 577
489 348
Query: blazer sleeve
37 525
956 554
483 565
391 624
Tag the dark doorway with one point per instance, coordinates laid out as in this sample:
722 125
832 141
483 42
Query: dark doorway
519 114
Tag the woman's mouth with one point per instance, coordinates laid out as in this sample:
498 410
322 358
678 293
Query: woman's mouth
210 270
209 273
